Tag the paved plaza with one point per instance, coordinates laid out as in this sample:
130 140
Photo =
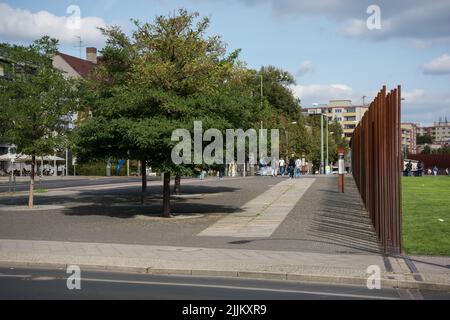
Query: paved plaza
270 227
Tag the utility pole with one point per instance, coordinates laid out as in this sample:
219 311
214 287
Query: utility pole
67 162
321 143
327 147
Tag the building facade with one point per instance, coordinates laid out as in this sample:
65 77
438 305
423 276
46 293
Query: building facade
342 111
409 137
441 131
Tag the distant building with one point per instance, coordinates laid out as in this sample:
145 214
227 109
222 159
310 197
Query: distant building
409 137
76 67
441 131
342 111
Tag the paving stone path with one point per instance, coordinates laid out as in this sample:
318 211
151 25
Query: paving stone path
261 216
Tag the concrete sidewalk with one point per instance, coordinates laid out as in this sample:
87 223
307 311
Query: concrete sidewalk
263 264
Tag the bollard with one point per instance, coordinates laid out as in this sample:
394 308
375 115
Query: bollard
341 165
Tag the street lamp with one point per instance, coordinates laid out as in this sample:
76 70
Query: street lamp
322 167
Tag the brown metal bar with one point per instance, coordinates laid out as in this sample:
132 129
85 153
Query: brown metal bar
377 166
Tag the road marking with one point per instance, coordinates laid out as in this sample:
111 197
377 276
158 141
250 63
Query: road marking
319 293
261 216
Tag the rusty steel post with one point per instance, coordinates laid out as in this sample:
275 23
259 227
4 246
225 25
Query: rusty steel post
377 166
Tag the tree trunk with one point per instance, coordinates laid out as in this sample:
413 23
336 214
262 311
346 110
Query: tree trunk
144 180
177 187
31 196
166 195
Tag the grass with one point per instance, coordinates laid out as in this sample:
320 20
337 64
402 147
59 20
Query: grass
41 190
426 200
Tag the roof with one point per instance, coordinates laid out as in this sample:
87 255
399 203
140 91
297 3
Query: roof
82 67
333 107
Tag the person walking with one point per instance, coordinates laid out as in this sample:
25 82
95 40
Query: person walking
291 166
298 168
282 165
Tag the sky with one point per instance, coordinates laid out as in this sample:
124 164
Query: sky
336 49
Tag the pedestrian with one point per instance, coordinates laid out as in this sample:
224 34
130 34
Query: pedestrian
298 168
221 172
435 170
291 166
447 172
420 169
409 168
282 165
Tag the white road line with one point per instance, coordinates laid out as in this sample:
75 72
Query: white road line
319 293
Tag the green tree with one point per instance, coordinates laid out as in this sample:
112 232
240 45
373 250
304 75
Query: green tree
162 78
423 139
426 150
36 102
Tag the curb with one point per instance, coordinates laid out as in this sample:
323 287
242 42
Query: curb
345 280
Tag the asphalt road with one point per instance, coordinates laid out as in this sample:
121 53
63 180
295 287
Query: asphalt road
46 284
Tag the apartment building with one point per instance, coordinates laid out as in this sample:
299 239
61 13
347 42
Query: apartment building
409 137
343 111
441 131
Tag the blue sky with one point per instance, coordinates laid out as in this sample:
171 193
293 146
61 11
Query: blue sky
325 44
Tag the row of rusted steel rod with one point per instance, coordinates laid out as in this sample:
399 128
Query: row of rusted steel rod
377 166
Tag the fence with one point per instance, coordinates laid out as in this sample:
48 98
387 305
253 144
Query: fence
442 161
377 165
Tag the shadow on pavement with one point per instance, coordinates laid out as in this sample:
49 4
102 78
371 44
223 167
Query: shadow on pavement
126 202
343 220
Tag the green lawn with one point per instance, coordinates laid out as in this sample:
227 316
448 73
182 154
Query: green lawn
425 201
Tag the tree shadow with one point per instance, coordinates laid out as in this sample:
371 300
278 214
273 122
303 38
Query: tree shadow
125 202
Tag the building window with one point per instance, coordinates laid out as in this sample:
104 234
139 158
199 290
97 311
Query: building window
338 111
351 110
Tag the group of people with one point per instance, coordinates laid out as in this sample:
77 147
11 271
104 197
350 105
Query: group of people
421 171
293 168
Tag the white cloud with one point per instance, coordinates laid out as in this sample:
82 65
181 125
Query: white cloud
306 67
440 65
19 24
412 19
419 105
318 93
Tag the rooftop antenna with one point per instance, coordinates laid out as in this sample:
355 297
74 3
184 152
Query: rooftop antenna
79 44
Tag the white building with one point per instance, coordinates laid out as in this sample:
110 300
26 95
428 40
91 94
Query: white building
342 111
